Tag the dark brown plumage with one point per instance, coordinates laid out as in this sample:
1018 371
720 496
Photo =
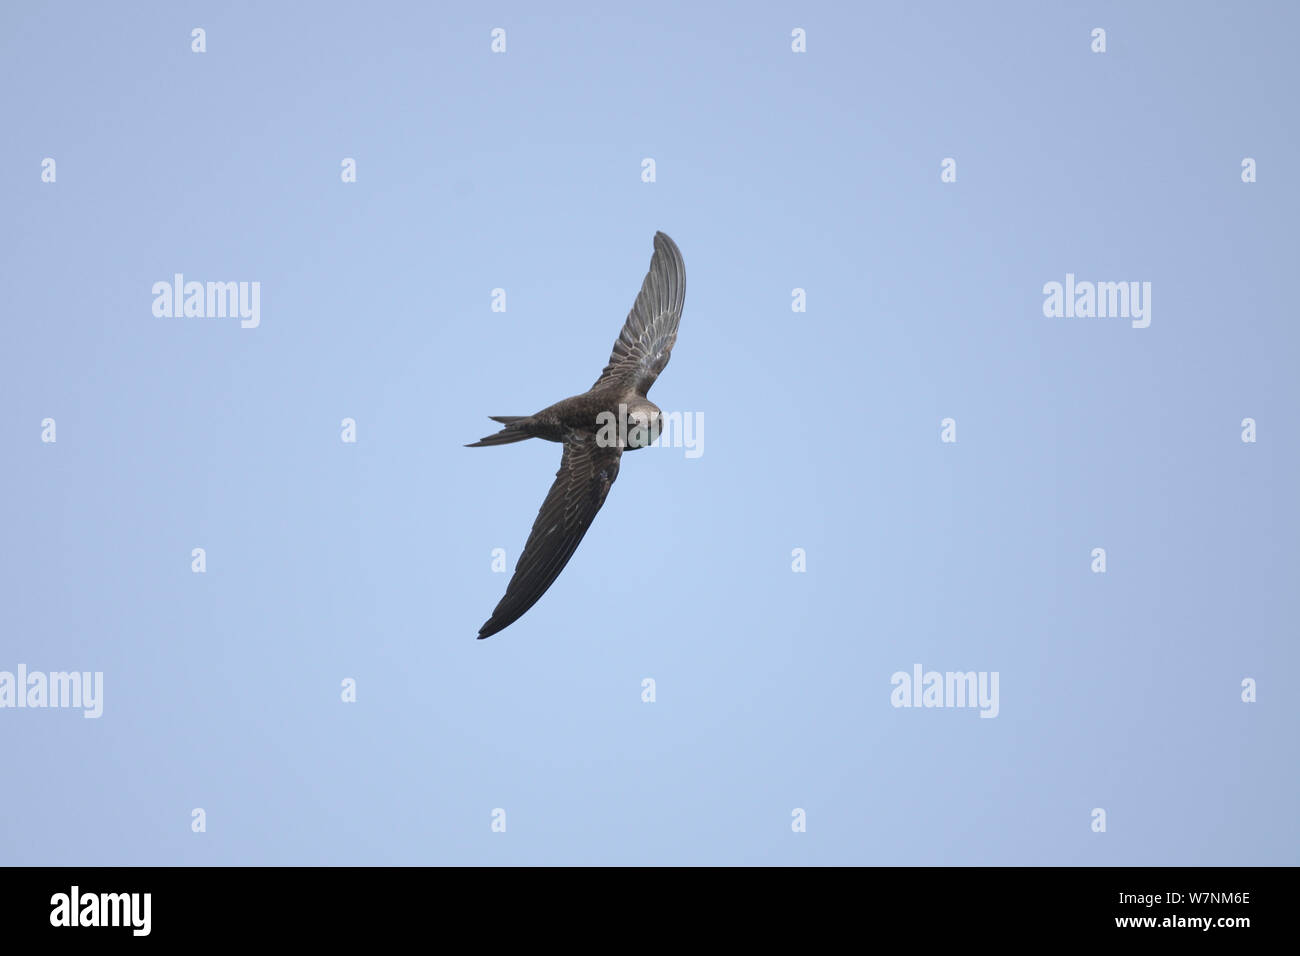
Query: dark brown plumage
592 449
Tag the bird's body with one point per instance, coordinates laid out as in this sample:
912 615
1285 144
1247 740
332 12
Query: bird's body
573 419
595 427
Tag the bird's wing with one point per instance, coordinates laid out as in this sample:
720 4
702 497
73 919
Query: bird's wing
586 473
647 338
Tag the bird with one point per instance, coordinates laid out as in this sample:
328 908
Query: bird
595 427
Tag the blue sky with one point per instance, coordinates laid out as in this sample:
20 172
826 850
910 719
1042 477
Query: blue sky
774 171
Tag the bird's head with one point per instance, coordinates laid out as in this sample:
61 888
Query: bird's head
644 421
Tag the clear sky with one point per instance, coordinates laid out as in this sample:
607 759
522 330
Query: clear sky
774 170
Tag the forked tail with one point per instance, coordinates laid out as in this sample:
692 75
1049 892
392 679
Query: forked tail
514 431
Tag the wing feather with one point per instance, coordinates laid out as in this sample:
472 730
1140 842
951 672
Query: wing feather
646 341
586 473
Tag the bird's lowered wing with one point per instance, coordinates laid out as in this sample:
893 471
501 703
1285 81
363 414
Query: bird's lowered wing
647 338
586 473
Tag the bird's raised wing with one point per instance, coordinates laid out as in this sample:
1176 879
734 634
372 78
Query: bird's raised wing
586 473
647 338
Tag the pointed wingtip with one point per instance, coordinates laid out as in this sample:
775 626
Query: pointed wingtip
664 242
